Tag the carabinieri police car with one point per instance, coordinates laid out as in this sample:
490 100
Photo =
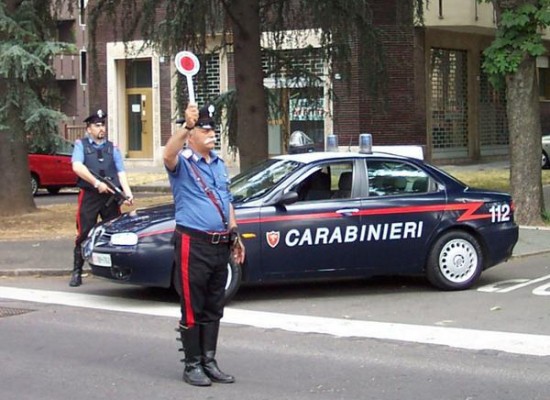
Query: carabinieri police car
330 215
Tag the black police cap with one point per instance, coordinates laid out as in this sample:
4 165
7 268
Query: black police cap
206 118
98 116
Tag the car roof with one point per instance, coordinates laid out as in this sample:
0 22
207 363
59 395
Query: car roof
312 157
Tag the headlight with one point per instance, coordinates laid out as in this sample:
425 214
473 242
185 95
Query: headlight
124 239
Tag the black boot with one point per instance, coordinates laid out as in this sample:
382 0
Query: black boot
209 340
193 373
76 277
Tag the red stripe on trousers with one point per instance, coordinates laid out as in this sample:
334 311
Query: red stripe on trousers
186 292
79 205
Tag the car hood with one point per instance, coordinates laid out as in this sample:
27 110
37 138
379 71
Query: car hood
141 219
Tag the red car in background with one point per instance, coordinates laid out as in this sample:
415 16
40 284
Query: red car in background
52 170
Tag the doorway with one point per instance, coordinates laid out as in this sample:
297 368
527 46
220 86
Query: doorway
139 108
140 122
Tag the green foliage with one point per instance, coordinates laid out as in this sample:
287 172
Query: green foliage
518 36
346 30
27 47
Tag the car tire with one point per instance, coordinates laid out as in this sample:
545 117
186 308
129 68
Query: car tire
53 190
34 184
544 161
234 278
455 261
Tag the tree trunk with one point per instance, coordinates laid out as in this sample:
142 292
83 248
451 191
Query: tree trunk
251 102
525 143
15 197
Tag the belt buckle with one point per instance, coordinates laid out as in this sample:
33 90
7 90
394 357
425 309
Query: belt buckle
216 237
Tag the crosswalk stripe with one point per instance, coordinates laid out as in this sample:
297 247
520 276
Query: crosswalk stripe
472 339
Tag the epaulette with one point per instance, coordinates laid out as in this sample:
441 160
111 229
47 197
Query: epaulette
187 153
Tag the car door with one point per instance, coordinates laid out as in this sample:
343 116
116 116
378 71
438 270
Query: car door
62 171
315 236
67 177
400 215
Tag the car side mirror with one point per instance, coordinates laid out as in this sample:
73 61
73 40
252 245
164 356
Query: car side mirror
288 198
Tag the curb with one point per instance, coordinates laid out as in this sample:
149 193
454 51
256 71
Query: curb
13 273
151 189
65 272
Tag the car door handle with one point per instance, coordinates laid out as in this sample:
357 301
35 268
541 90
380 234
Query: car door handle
347 211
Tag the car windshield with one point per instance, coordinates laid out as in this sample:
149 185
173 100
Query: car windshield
55 145
261 178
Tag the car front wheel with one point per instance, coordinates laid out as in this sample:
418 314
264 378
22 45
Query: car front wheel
234 277
34 184
455 261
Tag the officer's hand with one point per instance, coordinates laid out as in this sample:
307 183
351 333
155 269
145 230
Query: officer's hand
238 251
103 188
129 201
191 115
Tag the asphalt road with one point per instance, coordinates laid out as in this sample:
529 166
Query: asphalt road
362 339
65 196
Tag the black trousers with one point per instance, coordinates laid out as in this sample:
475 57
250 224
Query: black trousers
91 205
201 275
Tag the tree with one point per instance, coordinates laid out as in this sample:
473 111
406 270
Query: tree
511 60
26 83
343 25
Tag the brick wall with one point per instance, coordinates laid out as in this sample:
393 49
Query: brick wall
396 115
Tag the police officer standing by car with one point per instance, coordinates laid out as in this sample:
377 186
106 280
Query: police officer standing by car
94 154
206 236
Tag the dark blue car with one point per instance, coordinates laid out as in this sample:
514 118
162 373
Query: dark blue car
330 215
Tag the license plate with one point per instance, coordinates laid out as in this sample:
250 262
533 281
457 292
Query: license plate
101 259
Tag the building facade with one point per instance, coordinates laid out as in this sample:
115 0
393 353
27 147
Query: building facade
435 92
72 69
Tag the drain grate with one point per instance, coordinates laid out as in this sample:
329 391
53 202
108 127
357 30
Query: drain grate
10 312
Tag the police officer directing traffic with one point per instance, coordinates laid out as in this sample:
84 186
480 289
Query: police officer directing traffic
95 154
206 236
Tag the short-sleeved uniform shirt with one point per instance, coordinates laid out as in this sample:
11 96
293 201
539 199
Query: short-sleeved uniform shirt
194 209
78 152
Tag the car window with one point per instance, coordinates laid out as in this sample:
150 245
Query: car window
261 178
389 177
54 145
326 181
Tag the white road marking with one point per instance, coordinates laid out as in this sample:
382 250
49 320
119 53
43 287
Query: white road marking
518 343
508 285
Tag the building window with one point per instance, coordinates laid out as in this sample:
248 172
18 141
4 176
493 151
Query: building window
449 102
65 31
543 72
544 83
83 67
139 74
82 11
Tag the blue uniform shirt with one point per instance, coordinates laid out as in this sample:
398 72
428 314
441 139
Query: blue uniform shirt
78 152
194 209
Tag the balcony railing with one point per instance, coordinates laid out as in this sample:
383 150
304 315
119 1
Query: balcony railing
459 13
463 15
67 66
